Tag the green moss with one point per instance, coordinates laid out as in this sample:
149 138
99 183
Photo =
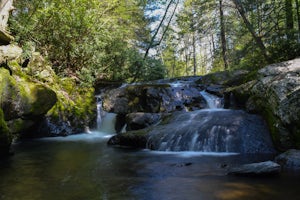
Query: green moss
5 136
273 124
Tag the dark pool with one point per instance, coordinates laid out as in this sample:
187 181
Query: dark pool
83 167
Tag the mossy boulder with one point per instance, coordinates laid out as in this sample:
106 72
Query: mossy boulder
5 136
22 99
275 95
226 78
73 113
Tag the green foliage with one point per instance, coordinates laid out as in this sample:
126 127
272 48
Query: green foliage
87 39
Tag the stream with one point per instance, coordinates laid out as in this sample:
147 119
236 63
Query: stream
83 167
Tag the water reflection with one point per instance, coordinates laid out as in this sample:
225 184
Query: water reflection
74 168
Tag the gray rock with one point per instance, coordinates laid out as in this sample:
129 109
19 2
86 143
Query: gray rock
276 95
289 160
9 52
153 98
256 169
140 120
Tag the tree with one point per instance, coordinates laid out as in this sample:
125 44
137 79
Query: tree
88 39
223 37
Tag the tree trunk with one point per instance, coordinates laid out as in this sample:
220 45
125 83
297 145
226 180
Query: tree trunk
298 16
289 19
194 54
151 44
249 26
223 37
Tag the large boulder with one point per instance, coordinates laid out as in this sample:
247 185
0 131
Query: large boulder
23 101
276 95
152 98
203 130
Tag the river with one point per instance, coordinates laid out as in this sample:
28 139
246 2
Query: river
83 167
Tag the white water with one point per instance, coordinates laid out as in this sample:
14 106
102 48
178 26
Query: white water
213 101
105 131
99 112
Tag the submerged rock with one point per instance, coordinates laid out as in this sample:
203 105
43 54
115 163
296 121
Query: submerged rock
289 160
256 169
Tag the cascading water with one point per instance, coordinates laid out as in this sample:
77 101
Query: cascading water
212 130
212 101
99 111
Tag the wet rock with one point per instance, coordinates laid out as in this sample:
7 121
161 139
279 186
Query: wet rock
206 130
136 121
256 169
153 98
289 160
132 139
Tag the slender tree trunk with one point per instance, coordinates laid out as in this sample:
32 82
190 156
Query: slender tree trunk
289 19
194 54
167 27
249 26
298 16
151 44
223 37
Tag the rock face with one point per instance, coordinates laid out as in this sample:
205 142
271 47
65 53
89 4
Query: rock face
23 101
22 104
5 136
289 160
152 98
275 95
256 169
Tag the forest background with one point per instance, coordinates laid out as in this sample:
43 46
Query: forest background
142 40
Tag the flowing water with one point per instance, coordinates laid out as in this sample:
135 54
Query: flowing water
83 167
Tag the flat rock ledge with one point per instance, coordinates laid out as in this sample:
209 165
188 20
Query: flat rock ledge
267 168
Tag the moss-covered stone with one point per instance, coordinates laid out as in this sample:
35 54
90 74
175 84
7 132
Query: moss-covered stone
21 98
5 136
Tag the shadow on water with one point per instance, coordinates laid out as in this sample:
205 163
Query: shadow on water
78 168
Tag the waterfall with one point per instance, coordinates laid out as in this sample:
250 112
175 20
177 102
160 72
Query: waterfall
213 101
212 130
99 111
